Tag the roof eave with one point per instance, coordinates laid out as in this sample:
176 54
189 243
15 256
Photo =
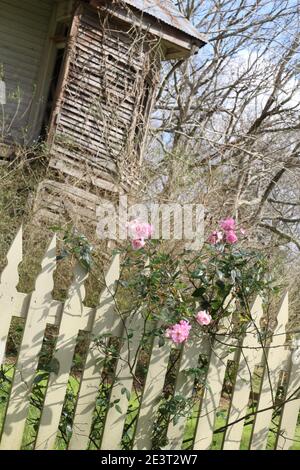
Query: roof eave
176 51
177 44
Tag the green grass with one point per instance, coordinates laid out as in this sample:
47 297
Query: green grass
72 391
296 445
34 413
246 436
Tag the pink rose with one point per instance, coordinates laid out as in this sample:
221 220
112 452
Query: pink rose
215 237
144 230
138 243
131 226
231 237
227 224
137 229
179 332
203 317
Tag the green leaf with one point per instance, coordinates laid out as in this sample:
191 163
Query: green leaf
126 392
40 377
199 292
55 228
53 366
176 420
118 408
197 274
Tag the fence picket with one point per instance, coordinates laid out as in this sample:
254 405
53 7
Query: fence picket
9 295
220 355
38 309
75 317
106 321
251 353
184 386
123 380
275 358
290 412
29 353
152 392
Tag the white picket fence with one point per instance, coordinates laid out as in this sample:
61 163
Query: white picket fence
39 309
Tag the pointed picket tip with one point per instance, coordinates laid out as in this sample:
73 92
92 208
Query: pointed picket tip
226 322
257 308
230 303
283 308
113 271
77 292
282 320
14 257
16 249
44 282
18 238
19 233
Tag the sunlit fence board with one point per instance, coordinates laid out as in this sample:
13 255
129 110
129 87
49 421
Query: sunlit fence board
220 354
39 309
121 391
29 353
250 354
152 392
75 317
290 412
185 386
9 297
273 361
106 322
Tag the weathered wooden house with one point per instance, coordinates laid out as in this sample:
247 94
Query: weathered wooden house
82 75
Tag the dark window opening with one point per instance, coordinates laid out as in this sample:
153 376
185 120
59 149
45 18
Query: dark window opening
60 38
52 92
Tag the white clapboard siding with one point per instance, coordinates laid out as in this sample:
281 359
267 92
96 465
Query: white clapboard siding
290 412
251 354
152 392
275 358
184 386
29 353
75 317
24 27
106 321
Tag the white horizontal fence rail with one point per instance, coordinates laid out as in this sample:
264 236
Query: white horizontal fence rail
39 309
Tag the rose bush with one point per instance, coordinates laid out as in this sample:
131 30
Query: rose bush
189 293
182 296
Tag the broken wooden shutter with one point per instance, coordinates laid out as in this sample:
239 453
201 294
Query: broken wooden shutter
101 96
